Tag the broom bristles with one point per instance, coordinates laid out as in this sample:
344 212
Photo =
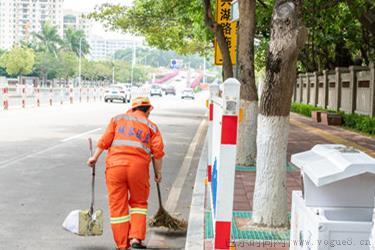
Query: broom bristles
164 219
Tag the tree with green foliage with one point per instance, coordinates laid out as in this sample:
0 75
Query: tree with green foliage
341 33
2 69
168 25
75 40
183 29
18 61
123 72
48 39
88 70
67 65
45 65
103 70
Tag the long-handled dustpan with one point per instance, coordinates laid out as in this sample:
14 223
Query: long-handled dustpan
87 222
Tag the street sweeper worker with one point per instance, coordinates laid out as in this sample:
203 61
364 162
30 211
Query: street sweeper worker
131 140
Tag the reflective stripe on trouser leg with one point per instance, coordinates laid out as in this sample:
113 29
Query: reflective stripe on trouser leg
138 223
120 232
139 189
118 205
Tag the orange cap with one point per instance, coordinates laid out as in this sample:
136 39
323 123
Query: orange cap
141 101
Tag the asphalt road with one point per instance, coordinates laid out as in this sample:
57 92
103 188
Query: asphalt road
43 175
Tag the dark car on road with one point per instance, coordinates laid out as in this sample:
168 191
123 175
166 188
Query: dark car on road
170 90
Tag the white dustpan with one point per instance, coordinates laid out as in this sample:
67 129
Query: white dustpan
86 222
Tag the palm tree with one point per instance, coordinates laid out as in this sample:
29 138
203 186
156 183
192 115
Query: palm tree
72 41
48 39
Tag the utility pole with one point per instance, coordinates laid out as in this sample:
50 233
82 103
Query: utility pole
113 68
133 63
188 77
80 61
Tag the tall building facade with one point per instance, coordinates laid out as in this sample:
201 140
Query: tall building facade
76 20
20 18
102 49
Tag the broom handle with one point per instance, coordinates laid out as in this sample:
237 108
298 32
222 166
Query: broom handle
159 195
157 184
92 181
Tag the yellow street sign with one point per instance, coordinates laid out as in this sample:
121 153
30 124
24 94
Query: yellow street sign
223 17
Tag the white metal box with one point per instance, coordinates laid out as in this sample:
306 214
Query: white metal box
337 176
315 228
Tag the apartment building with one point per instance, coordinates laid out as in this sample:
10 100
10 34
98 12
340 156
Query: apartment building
20 18
77 21
102 49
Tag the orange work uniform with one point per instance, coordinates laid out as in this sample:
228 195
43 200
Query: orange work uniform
131 139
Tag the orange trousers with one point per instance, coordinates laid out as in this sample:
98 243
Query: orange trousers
128 190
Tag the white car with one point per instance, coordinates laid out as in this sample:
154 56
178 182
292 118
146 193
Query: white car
156 90
117 92
187 93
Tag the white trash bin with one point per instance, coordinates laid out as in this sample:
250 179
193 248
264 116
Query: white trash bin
335 209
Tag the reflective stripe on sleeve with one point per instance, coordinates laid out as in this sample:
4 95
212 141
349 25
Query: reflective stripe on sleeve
130 143
141 120
119 220
137 210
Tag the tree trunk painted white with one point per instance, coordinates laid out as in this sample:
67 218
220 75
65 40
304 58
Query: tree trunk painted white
288 35
270 208
247 132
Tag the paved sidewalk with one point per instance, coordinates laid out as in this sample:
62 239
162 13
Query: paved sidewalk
304 134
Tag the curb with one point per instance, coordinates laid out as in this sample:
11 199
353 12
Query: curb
195 231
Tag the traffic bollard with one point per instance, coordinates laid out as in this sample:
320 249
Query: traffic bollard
23 94
5 98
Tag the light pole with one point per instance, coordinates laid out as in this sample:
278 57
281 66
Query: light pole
113 68
204 70
188 78
113 74
80 61
133 63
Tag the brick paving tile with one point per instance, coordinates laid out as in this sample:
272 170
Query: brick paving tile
240 199
337 131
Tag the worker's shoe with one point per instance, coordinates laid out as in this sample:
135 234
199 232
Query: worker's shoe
136 244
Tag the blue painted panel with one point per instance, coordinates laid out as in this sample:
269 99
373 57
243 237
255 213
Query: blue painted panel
214 185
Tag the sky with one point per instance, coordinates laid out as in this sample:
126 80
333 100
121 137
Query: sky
88 6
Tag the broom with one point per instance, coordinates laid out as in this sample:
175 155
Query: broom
162 217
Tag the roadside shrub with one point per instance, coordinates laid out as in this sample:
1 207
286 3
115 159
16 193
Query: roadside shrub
361 123
303 109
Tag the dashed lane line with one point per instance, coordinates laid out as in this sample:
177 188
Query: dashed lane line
23 157
80 135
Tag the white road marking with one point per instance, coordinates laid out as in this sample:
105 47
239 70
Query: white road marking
23 157
31 155
175 192
80 135
174 195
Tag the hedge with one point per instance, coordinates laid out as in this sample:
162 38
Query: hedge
361 123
